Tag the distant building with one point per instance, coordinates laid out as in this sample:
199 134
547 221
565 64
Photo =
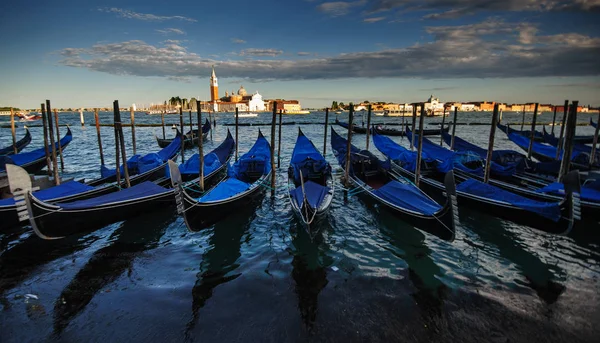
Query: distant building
433 106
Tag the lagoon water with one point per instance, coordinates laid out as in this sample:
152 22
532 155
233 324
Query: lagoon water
256 276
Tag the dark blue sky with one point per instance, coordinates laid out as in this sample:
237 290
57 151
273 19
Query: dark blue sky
80 54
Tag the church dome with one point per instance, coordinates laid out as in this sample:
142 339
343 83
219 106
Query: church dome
242 91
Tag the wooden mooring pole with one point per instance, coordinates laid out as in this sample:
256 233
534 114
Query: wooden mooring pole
273 122
132 116
99 136
565 163
453 128
46 140
490 152
532 134
60 153
593 154
183 136
368 126
420 147
81 119
279 141
561 142
523 119
553 121
13 130
52 142
192 127
325 133
442 127
121 141
162 120
414 123
236 133
349 146
200 147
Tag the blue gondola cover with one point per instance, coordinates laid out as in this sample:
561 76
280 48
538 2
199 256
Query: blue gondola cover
225 189
138 191
405 158
315 194
407 196
588 192
64 189
27 157
550 210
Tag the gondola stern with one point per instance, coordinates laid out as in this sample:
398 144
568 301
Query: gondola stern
572 187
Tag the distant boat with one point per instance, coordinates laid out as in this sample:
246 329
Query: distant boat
29 117
247 115
338 112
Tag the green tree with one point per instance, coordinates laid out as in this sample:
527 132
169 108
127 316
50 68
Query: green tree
342 106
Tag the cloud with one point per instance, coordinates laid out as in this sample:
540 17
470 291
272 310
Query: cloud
594 85
122 13
238 41
446 9
338 8
170 30
436 89
490 49
303 53
183 79
260 52
373 20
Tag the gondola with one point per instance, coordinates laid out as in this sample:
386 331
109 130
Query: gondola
310 182
142 168
375 179
355 129
547 153
34 161
525 133
191 137
556 217
60 219
245 182
21 144
448 160
539 137
552 140
509 163
595 125
386 131
215 162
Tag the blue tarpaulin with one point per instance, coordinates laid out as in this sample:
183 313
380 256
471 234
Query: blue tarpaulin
450 159
307 159
64 189
403 157
138 191
315 194
588 192
34 155
226 189
407 196
550 210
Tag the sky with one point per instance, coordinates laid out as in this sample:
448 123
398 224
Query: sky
80 54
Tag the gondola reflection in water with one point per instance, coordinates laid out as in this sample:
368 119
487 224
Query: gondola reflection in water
245 180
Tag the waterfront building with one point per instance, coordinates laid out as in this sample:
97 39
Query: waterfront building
433 106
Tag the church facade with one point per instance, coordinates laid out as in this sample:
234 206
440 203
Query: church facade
228 103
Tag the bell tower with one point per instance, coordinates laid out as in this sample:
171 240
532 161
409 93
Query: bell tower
214 87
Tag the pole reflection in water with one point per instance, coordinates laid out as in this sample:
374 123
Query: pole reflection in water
21 258
511 247
309 263
423 273
219 262
107 264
